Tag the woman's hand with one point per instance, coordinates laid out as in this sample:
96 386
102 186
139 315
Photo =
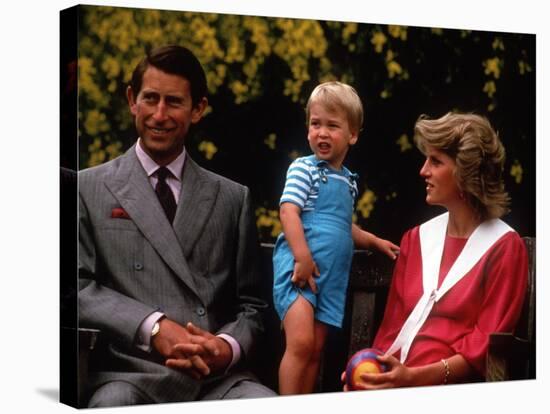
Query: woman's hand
398 375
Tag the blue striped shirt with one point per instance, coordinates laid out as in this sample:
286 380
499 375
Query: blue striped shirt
302 181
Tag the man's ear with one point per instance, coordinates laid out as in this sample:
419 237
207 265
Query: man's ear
131 100
198 110
353 138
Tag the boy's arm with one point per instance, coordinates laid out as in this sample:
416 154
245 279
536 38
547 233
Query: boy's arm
365 240
304 267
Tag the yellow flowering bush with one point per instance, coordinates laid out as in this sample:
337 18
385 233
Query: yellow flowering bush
260 72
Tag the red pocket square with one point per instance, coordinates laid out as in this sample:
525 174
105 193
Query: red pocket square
119 212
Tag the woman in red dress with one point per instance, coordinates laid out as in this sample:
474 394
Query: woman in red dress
459 276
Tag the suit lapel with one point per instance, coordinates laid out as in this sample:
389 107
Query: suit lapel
197 197
131 187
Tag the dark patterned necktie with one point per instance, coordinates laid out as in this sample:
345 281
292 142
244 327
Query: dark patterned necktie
164 193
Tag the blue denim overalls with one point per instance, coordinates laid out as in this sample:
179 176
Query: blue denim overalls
328 233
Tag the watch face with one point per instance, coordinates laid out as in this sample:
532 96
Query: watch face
156 329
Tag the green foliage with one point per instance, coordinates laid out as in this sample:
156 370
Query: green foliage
254 63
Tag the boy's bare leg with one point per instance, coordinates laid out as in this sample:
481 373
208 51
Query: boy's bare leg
312 370
300 339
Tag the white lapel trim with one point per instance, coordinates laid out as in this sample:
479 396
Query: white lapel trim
432 240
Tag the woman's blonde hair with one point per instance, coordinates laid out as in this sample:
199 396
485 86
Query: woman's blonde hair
479 155
333 95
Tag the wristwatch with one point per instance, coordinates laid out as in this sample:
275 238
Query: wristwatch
155 330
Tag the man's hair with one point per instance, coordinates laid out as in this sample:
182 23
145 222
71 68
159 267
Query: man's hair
175 60
479 155
333 95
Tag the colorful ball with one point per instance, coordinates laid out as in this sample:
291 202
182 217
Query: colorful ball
363 361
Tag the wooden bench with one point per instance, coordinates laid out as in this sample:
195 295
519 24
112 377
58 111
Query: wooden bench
370 279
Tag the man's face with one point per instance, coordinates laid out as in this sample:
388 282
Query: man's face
163 112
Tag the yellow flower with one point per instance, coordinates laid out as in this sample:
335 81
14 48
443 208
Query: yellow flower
498 44
327 78
95 122
293 154
97 154
349 30
260 34
492 66
365 205
293 88
490 88
112 87
239 90
208 148
524 67
399 32
268 219
114 149
235 50
270 141
394 68
250 68
86 80
404 143
111 67
516 171
96 158
385 94
325 65
378 39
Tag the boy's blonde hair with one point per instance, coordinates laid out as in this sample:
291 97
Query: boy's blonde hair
339 95
479 155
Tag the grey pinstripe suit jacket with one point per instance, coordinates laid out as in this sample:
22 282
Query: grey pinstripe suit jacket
203 269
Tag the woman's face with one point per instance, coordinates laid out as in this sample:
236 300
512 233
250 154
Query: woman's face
438 172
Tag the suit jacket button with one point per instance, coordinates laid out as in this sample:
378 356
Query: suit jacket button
201 311
138 266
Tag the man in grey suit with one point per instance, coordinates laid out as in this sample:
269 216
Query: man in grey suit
167 255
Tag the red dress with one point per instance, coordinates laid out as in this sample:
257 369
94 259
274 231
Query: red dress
487 299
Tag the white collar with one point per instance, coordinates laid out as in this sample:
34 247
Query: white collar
150 166
432 241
